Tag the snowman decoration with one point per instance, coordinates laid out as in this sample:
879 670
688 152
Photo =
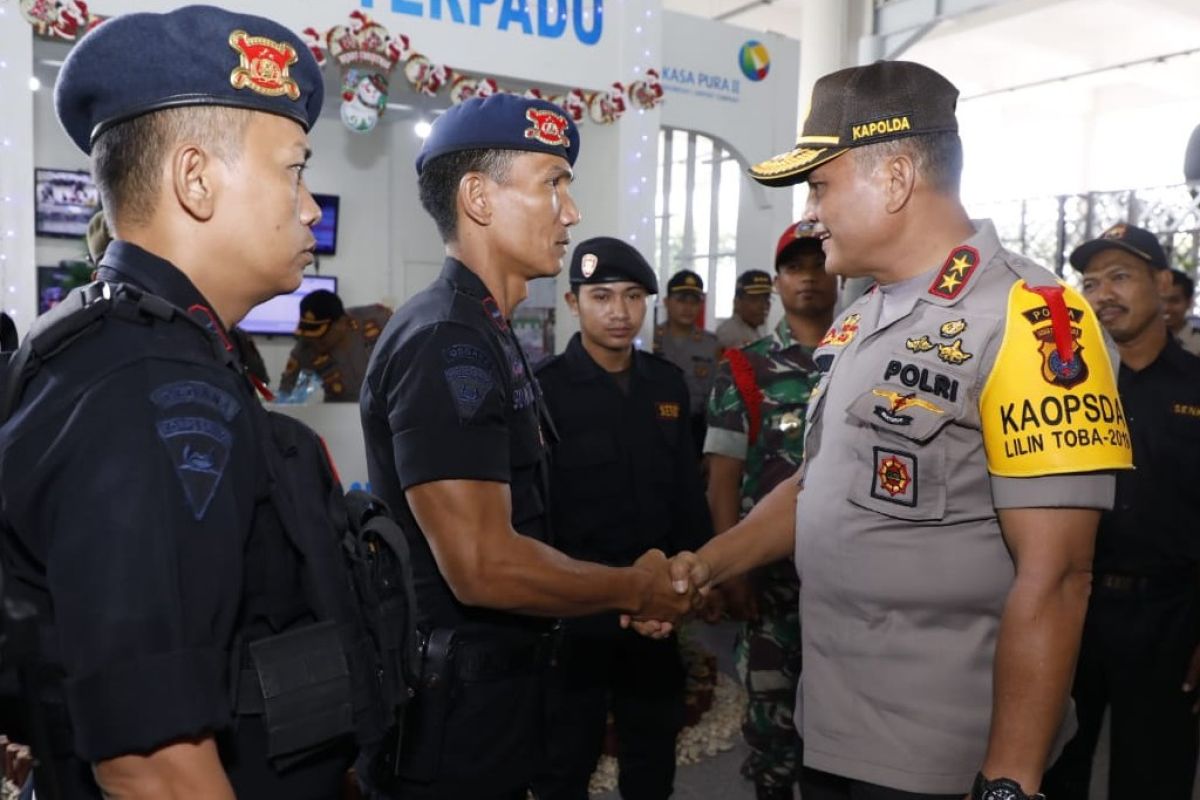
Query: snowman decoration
364 99
367 54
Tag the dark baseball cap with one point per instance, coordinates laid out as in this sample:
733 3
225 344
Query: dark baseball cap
1130 238
798 234
753 282
864 105
319 310
685 282
605 259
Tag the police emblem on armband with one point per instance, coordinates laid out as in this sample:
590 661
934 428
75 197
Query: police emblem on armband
264 66
547 127
841 335
1056 327
953 276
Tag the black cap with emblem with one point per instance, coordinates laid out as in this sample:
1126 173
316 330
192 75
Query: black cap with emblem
864 105
608 260
1130 238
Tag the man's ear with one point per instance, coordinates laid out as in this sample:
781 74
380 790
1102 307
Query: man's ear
1163 280
194 181
900 179
474 199
572 301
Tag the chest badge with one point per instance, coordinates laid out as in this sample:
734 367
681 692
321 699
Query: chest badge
667 410
953 353
842 335
790 423
895 478
897 402
922 345
952 328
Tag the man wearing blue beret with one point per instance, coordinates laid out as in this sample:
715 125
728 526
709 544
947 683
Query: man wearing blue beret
134 469
457 435
625 479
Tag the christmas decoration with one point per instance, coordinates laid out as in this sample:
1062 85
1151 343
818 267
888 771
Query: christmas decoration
65 20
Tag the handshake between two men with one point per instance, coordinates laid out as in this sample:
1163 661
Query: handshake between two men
766 535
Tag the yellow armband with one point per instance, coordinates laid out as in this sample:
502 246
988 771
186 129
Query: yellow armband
1050 405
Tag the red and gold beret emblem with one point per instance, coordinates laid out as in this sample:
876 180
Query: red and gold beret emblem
264 66
547 127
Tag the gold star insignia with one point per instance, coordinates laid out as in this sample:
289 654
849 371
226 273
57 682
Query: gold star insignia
961 265
949 282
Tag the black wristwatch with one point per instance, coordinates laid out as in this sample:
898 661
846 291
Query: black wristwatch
1000 789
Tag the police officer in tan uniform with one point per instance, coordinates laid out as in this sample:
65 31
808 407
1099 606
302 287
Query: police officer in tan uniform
688 346
961 444
335 342
751 307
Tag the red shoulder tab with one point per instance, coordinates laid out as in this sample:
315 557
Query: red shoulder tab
743 378
953 276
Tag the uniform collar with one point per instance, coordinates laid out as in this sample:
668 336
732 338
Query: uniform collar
583 367
783 334
127 263
463 279
952 281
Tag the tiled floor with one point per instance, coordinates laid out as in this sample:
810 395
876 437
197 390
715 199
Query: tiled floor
718 778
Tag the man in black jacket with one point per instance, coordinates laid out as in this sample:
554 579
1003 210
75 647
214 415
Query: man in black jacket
624 479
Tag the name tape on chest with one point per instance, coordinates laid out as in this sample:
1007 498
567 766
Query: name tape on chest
1050 405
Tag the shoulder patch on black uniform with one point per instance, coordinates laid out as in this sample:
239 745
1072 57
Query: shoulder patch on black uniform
468 375
199 450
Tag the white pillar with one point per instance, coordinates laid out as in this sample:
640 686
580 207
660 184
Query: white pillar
18 278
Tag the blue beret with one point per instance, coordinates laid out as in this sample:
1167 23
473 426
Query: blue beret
608 260
502 122
198 55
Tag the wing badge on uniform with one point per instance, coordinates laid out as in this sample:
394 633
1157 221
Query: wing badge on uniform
199 451
898 402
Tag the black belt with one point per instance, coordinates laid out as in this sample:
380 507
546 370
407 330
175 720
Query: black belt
484 659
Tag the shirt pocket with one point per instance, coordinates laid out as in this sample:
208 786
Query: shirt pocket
585 463
901 458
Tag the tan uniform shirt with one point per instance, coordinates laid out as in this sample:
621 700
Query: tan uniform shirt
340 356
734 332
697 355
955 403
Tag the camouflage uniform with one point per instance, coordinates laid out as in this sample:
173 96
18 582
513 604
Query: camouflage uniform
768 651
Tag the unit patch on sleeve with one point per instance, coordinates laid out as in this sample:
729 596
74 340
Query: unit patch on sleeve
1044 411
895 477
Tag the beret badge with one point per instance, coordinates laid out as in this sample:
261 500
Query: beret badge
547 127
264 66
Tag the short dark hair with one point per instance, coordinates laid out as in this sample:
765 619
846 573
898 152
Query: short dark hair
938 156
127 158
1184 281
440 177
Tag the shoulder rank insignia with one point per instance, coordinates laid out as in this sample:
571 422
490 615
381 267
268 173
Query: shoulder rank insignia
547 127
953 353
952 328
841 335
264 65
953 276
921 345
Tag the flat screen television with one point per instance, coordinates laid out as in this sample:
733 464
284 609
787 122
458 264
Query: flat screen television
65 201
326 229
280 315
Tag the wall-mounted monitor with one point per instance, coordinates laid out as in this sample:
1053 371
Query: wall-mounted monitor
326 230
280 315
65 201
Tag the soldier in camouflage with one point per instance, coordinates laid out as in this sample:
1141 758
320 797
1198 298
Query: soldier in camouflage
755 441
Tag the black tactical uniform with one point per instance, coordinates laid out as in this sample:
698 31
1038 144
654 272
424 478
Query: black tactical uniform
1143 619
624 480
140 479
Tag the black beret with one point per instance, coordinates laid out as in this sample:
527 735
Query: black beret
685 281
502 122
608 260
864 105
197 55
